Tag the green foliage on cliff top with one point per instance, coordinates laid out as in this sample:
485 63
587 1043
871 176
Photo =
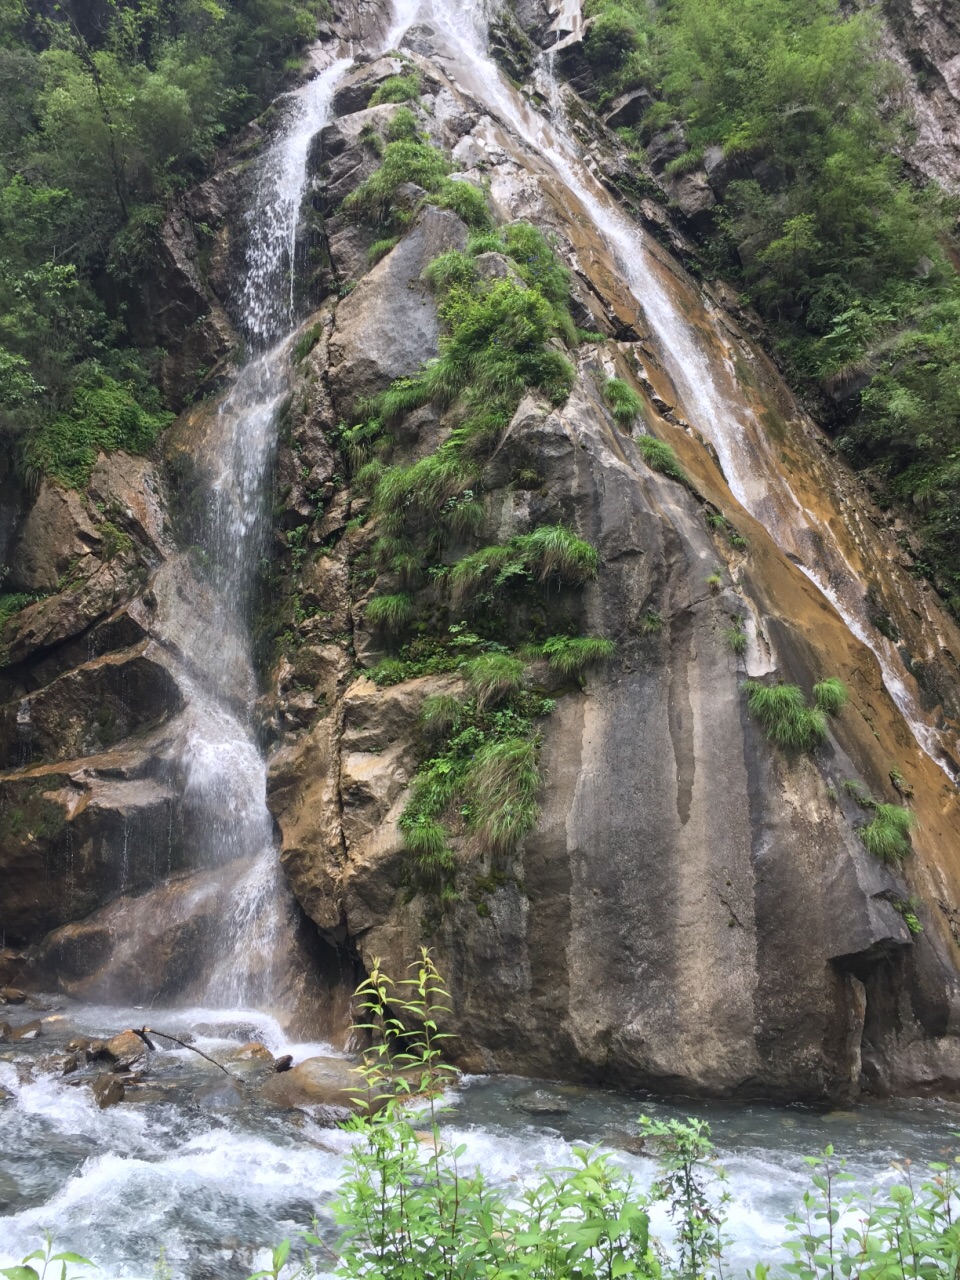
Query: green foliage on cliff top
109 109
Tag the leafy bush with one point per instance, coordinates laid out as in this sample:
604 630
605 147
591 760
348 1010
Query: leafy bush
405 160
103 416
625 405
784 715
887 837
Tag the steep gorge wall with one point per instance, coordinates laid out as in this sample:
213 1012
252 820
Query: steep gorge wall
695 910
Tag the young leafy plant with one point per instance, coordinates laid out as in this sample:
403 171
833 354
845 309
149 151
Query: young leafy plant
660 456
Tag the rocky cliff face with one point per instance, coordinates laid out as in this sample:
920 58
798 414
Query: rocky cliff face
923 39
695 909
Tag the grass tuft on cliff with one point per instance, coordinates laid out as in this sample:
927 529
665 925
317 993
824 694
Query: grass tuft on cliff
502 784
831 695
782 712
405 88
625 405
389 613
660 456
887 837
571 655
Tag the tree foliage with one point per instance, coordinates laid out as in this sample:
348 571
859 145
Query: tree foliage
110 108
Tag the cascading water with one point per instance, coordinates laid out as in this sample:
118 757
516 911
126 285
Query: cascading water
224 772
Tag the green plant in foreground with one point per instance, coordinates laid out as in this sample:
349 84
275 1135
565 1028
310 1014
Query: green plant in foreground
887 837
625 405
46 1258
783 713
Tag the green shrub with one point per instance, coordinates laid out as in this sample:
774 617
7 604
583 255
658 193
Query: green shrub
493 677
451 269
661 457
783 713
389 613
103 417
830 695
569 655
403 161
12 603
465 200
402 127
625 405
396 89
887 837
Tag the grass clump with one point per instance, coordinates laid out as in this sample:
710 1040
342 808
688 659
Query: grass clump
552 551
570 655
783 714
481 782
625 405
830 695
493 677
736 636
661 457
887 837
306 342
389 613
403 88
380 248
405 160
502 783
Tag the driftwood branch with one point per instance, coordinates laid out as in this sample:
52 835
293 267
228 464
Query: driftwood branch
145 1032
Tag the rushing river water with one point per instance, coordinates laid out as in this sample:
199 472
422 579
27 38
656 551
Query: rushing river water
205 1170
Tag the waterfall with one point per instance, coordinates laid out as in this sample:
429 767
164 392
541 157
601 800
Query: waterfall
224 772
749 462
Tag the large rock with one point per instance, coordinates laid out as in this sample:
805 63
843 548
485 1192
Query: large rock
332 1083
90 708
388 325
71 841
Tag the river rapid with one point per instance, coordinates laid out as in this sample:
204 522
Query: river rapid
200 1170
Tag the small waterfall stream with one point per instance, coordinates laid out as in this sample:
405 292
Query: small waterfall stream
224 770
